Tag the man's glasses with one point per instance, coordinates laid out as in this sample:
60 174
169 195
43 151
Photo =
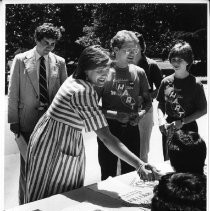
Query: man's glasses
130 50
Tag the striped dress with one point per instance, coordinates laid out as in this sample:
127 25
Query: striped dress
56 155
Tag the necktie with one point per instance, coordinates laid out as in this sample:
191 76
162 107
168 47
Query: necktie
44 99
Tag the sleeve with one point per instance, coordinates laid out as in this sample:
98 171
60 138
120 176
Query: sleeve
86 104
156 75
144 90
160 95
144 84
13 91
200 98
63 71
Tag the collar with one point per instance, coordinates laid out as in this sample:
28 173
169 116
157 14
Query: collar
121 68
37 56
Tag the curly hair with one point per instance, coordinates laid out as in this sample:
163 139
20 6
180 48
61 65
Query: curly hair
47 30
187 152
180 192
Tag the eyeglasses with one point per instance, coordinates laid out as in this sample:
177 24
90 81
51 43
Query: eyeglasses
102 70
130 50
177 60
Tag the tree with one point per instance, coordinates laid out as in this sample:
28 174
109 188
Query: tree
21 21
152 20
87 24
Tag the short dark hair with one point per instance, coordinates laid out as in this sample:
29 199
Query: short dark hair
182 50
142 42
47 30
180 192
92 57
187 152
121 37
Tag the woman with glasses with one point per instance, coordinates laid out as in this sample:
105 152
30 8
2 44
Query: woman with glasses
181 97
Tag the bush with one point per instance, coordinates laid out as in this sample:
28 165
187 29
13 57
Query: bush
199 69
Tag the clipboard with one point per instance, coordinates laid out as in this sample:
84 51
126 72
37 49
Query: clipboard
22 145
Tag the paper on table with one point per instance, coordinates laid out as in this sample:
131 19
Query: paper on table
137 193
84 206
111 187
164 167
142 193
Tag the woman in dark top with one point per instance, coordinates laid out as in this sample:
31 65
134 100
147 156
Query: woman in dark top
181 97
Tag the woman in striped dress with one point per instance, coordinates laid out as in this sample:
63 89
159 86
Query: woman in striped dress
56 155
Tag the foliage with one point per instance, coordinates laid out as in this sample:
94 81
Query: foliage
21 21
158 23
74 17
152 20
89 38
87 24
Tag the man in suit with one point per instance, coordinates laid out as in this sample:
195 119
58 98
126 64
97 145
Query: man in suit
25 89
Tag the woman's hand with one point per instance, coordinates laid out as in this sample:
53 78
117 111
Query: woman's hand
167 128
164 128
136 117
147 172
178 124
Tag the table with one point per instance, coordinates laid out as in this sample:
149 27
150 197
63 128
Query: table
99 196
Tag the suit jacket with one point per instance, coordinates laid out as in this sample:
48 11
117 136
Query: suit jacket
23 90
